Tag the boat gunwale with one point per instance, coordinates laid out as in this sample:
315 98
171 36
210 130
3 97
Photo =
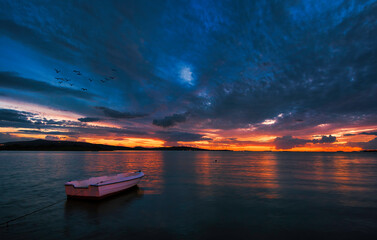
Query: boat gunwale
100 185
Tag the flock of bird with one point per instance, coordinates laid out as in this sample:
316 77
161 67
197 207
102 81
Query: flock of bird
62 79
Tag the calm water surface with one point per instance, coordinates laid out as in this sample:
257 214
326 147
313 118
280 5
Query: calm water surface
187 195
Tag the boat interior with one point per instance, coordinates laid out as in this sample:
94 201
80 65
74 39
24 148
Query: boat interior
102 180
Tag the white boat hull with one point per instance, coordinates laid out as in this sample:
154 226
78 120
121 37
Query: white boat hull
102 188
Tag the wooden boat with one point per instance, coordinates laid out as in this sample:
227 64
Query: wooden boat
100 187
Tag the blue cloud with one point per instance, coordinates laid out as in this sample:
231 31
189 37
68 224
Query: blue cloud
229 63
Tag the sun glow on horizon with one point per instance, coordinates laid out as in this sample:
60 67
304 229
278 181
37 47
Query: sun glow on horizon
126 142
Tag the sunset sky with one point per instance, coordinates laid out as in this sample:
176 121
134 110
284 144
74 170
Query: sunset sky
238 75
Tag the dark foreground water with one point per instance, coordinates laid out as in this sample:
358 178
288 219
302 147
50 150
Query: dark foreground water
187 195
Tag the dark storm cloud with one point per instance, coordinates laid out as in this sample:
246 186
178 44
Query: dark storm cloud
128 132
47 132
288 142
362 133
325 139
239 143
298 63
45 121
11 80
228 63
370 145
170 121
175 136
121 115
89 119
17 124
369 133
10 115
23 119
73 129
82 106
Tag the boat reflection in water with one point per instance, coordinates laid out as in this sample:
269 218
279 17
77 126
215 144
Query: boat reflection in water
79 212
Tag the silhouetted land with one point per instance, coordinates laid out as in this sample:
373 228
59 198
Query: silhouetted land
46 145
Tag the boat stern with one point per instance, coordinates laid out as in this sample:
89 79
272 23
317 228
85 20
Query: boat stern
81 192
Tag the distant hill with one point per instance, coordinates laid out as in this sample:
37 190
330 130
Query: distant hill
47 145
